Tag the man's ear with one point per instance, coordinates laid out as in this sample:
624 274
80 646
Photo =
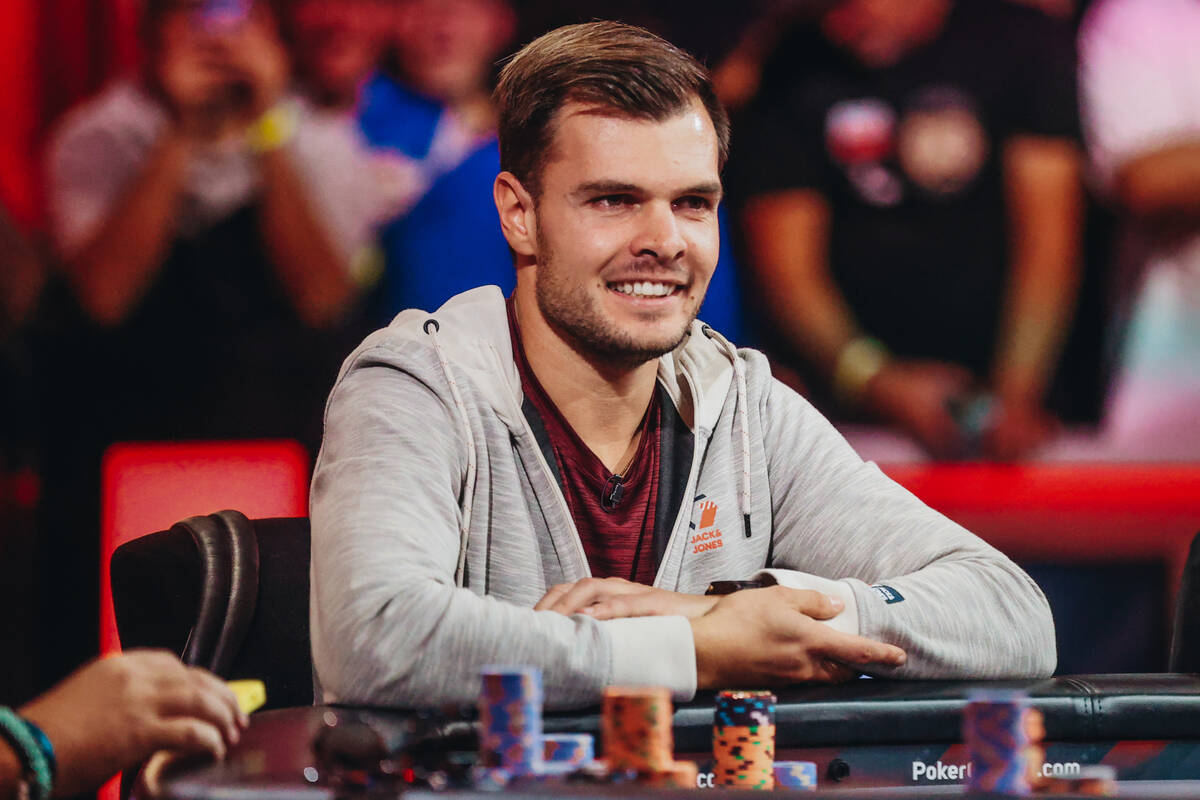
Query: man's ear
517 216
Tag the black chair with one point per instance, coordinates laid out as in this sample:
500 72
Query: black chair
226 593
1185 634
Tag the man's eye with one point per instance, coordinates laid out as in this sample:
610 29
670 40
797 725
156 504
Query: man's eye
613 201
694 203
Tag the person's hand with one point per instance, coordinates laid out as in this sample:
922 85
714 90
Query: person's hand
1017 429
916 395
772 636
610 598
259 58
116 712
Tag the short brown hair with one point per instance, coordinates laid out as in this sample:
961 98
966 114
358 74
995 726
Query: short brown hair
610 64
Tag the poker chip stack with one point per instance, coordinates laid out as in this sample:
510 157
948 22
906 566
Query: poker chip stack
635 725
744 740
997 742
796 775
510 716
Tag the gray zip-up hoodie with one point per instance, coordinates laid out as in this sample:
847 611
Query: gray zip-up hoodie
437 524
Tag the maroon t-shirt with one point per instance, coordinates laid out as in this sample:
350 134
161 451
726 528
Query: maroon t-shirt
613 513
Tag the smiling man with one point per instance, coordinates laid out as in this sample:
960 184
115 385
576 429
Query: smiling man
556 479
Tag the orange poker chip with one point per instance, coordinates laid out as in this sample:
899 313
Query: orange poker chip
744 756
635 725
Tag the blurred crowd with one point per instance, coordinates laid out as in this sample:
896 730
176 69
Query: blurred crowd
963 228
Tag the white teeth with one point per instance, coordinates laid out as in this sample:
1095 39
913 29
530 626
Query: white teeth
644 289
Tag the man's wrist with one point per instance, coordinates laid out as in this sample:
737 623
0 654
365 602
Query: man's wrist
706 676
858 362
729 587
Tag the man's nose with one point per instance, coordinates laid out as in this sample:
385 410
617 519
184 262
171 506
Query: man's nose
658 233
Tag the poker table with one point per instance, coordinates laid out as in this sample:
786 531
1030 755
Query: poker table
869 738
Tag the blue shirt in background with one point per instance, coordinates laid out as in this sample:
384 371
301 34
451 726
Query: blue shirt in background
450 241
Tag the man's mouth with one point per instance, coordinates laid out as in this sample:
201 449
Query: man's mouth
644 288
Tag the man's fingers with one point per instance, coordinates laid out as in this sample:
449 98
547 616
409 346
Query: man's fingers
581 595
224 696
833 672
645 604
189 735
860 651
198 699
812 603
593 590
551 597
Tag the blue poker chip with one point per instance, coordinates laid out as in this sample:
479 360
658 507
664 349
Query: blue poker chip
510 720
796 775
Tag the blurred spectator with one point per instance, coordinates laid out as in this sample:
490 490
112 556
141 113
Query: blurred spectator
1140 69
210 191
911 202
432 108
146 169
210 225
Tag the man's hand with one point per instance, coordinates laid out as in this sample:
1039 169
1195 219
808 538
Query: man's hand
1018 429
114 713
915 395
772 636
611 598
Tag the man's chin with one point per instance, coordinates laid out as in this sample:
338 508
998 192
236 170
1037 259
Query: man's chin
632 350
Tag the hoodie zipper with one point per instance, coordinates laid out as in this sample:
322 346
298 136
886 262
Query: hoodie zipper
558 495
698 452
550 479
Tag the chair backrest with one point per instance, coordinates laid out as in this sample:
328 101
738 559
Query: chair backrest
228 594
147 486
1185 634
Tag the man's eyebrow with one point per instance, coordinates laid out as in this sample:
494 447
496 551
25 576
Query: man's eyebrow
619 187
704 188
606 187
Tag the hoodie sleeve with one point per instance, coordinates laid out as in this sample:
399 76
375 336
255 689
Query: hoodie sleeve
389 625
957 606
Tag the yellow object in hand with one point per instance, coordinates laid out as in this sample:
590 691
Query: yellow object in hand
250 694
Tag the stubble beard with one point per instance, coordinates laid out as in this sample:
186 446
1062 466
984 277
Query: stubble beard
574 315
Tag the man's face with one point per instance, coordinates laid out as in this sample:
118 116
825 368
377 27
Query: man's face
626 230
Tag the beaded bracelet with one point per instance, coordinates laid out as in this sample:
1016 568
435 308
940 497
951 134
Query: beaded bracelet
47 748
38 781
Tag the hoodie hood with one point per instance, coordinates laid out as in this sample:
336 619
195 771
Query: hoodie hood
470 332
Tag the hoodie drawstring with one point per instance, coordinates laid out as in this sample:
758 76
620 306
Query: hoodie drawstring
465 419
743 418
